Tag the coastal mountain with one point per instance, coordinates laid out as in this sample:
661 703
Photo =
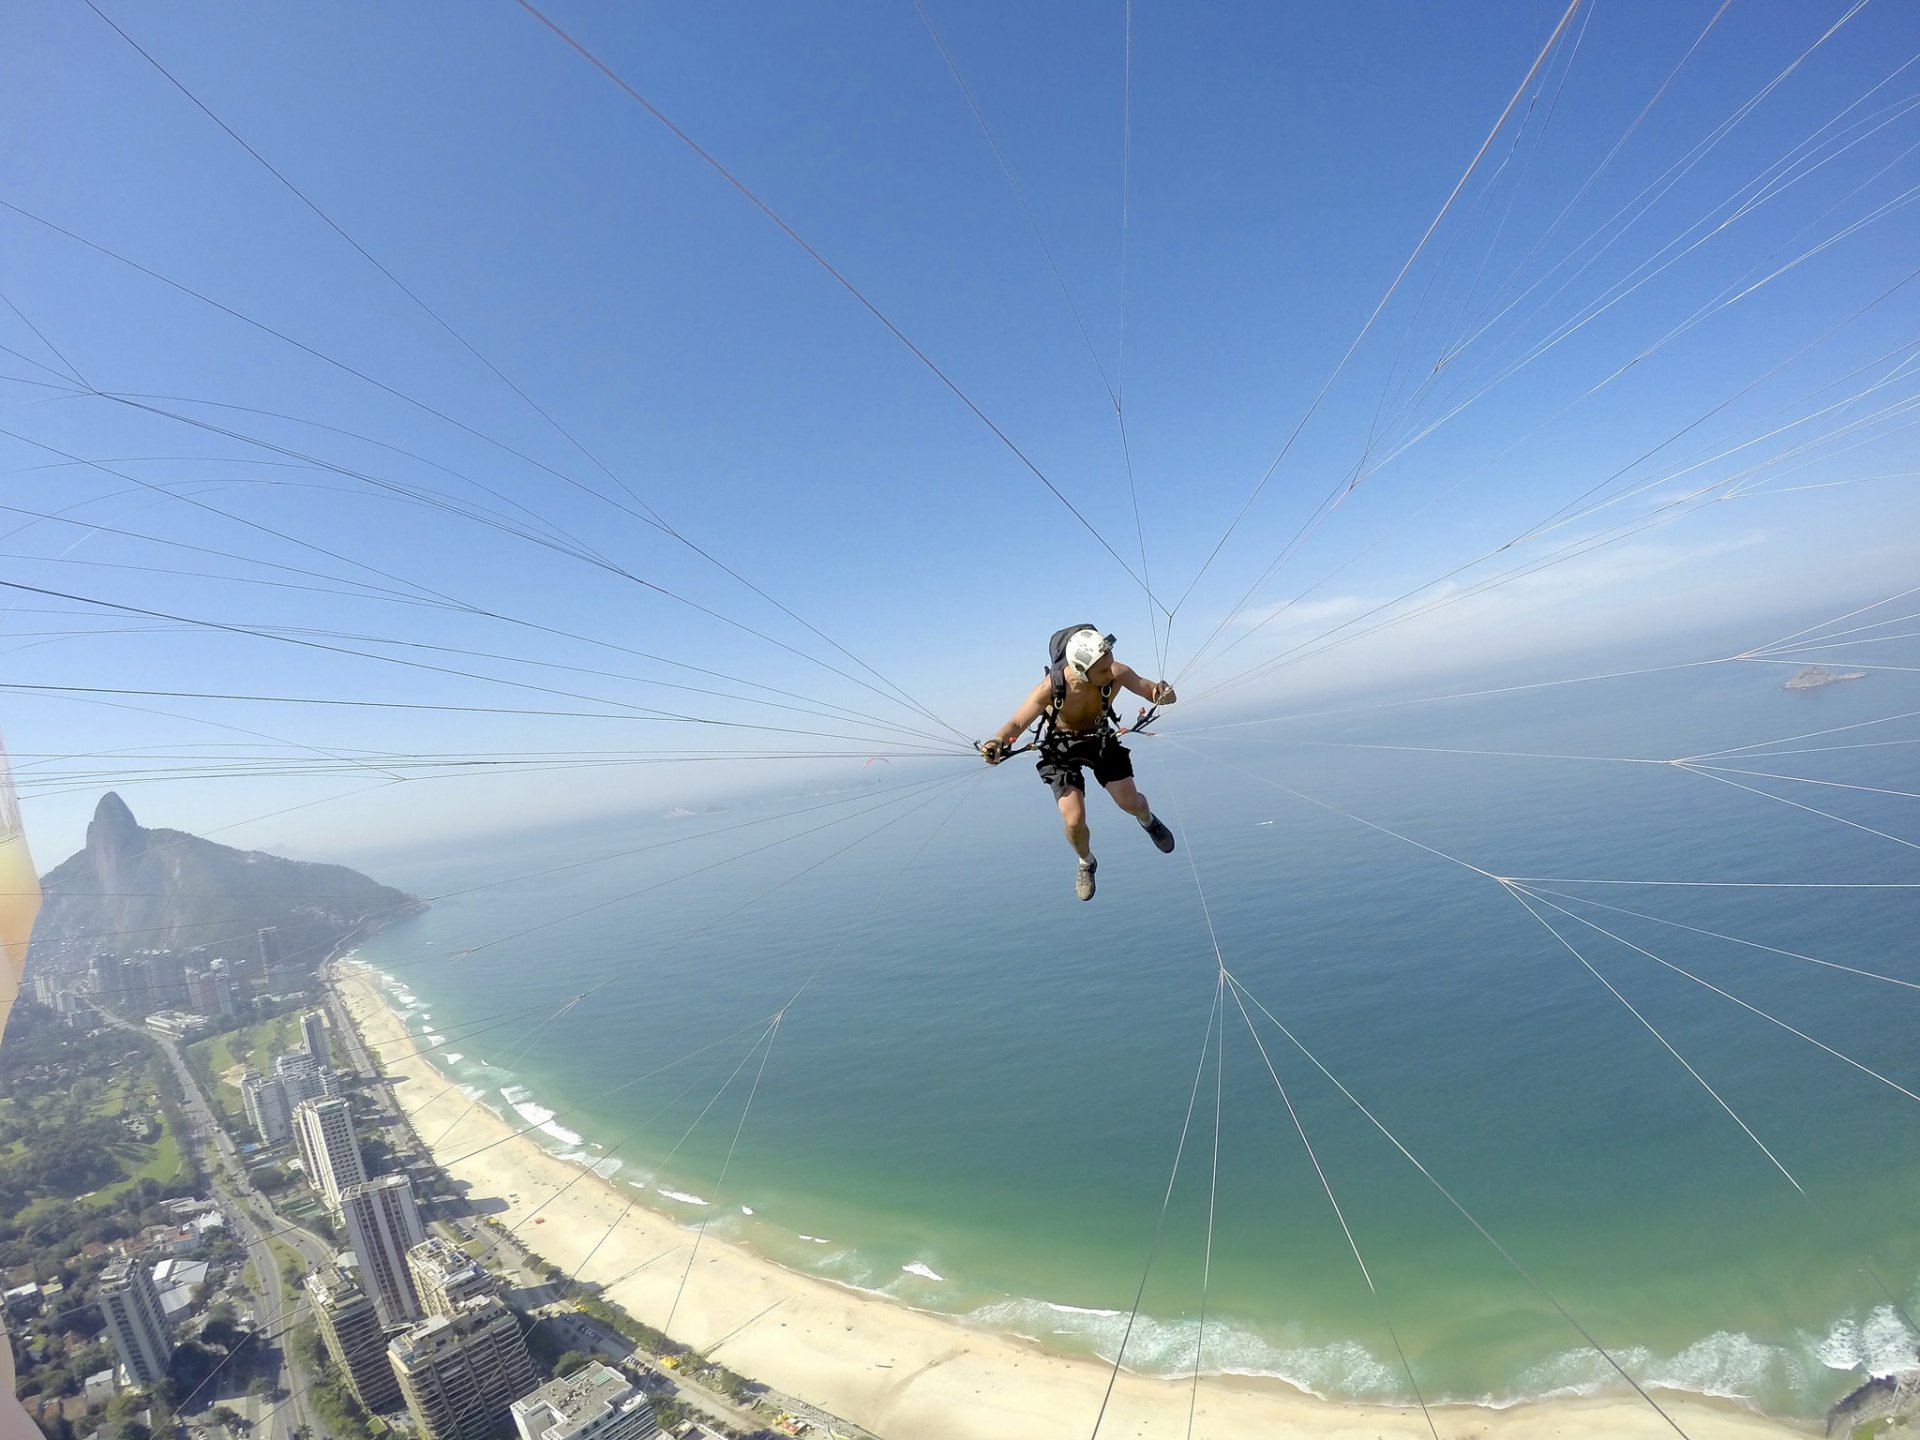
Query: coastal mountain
133 889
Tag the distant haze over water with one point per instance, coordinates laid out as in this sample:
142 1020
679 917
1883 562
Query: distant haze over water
973 1104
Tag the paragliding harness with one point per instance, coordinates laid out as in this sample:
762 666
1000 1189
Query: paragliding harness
1044 730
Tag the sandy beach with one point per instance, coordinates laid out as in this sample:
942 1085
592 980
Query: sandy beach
901 1373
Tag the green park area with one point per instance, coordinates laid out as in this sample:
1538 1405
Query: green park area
86 1138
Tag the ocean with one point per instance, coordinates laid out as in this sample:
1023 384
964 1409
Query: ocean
975 1093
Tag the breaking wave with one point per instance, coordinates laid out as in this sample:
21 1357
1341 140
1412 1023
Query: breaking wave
538 1115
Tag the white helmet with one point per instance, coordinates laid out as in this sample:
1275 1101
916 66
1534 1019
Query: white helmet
1084 649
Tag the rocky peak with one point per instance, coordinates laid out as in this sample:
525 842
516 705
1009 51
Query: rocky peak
113 832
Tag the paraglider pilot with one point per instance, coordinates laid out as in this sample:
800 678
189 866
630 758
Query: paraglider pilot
1077 728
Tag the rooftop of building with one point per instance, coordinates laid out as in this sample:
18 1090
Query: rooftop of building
441 1256
438 1332
335 1284
377 1183
588 1391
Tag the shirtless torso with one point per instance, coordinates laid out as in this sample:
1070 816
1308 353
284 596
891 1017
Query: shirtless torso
1072 746
1082 707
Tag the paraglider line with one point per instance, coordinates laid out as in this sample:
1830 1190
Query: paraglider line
764 208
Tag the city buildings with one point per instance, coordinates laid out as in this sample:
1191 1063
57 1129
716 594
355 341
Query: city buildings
350 1326
323 1129
174 1024
313 1030
594 1403
267 1108
211 991
284 973
131 1306
383 1224
445 1276
273 1101
224 994
460 1373
303 1078
167 978
133 989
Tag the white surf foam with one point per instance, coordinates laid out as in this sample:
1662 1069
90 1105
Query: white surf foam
683 1198
1878 1345
1341 1369
746 1209
1569 1375
925 1272
538 1115
1727 1364
603 1166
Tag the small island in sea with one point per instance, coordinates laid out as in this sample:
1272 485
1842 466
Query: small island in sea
1813 677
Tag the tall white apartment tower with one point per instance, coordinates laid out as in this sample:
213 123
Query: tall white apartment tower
350 1326
383 1224
139 1328
314 1030
461 1373
266 1104
298 1075
328 1147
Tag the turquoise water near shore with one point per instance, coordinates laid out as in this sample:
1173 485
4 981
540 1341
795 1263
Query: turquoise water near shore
975 1096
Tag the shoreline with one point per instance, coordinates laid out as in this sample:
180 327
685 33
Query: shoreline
887 1367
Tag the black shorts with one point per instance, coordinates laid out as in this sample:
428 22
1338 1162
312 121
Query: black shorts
1060 763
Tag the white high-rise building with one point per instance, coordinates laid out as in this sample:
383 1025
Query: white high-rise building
383 1224
328 1147
350 1326
460 1373
221 980
135 1320
445 1276
304 1079
268 1110
299 1075
593 1403
313 1029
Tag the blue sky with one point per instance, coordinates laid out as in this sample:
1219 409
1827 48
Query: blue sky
1284 163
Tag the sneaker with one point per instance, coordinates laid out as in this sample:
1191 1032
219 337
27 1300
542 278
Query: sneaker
1083 882
1158 833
